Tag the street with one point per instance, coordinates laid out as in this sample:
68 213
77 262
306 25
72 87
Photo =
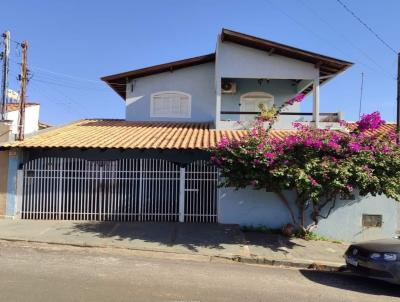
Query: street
37 272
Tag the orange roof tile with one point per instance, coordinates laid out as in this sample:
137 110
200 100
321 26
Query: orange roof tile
131 135
121 134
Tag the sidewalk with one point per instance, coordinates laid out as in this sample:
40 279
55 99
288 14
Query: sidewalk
224 241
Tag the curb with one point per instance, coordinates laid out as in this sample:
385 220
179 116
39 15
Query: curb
295 263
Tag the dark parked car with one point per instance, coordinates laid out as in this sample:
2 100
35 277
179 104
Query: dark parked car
379 259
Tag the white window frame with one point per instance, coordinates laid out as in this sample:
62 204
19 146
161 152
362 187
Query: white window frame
171 115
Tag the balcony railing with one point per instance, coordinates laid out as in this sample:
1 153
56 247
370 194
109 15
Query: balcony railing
332 114
240 119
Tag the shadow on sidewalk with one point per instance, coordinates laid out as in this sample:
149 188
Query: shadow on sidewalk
274 242
190 236
353 283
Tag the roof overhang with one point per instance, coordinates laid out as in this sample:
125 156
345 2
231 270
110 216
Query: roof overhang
118 81
328 66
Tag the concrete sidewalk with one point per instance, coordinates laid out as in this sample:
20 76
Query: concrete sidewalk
214 240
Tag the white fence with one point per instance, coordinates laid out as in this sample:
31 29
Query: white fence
120 190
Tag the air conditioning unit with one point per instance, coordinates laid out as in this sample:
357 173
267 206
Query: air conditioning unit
228 87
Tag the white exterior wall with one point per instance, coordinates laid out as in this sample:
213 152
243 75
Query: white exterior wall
31 119
261 208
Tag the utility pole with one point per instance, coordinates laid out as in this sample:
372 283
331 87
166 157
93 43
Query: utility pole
23 77
4 85
398 96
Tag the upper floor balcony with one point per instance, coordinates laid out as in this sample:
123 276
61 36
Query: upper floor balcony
241 100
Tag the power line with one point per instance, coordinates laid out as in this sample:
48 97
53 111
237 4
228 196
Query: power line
366 26
322 38
349 41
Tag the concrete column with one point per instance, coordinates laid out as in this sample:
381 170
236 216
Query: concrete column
316 102
14 160
218 102
5 136
3 182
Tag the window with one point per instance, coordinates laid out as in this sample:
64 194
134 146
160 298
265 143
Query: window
170 104
250 101
371 221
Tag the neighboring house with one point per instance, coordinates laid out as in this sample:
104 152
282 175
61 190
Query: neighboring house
31 117
153 166
9 131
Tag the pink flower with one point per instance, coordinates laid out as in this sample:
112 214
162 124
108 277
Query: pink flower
314 183
269 155
296 99
354 147
223 143
370 121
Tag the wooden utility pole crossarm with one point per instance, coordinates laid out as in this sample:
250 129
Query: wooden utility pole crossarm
22 98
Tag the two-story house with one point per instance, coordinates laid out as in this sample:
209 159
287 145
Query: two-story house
153 165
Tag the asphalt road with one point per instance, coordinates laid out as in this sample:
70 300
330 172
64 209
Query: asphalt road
60 273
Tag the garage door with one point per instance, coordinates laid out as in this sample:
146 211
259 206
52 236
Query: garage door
120 190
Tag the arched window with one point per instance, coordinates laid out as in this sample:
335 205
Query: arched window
250 101
170 104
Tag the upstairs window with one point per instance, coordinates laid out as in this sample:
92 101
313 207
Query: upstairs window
174 104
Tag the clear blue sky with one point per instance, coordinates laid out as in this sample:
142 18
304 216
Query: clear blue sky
90 39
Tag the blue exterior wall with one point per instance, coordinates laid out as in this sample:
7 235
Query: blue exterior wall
345 220
252 208
198 81
14 161
260 208
282 90
237 61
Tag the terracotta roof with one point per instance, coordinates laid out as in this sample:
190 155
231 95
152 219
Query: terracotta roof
15 106
43 125
120 134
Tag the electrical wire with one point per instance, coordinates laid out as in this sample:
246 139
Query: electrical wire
349 41
366 26
273 5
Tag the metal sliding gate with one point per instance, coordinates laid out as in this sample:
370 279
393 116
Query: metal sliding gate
120 190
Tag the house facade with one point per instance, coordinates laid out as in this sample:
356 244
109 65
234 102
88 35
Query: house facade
153 165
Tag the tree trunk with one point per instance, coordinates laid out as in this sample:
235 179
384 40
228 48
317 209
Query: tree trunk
287 205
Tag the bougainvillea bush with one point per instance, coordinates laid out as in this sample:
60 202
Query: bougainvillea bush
319 165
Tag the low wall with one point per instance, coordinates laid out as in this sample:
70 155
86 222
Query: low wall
252 207
260 208
3 182
345 220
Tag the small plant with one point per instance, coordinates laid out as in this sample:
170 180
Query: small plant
314 237
267 114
